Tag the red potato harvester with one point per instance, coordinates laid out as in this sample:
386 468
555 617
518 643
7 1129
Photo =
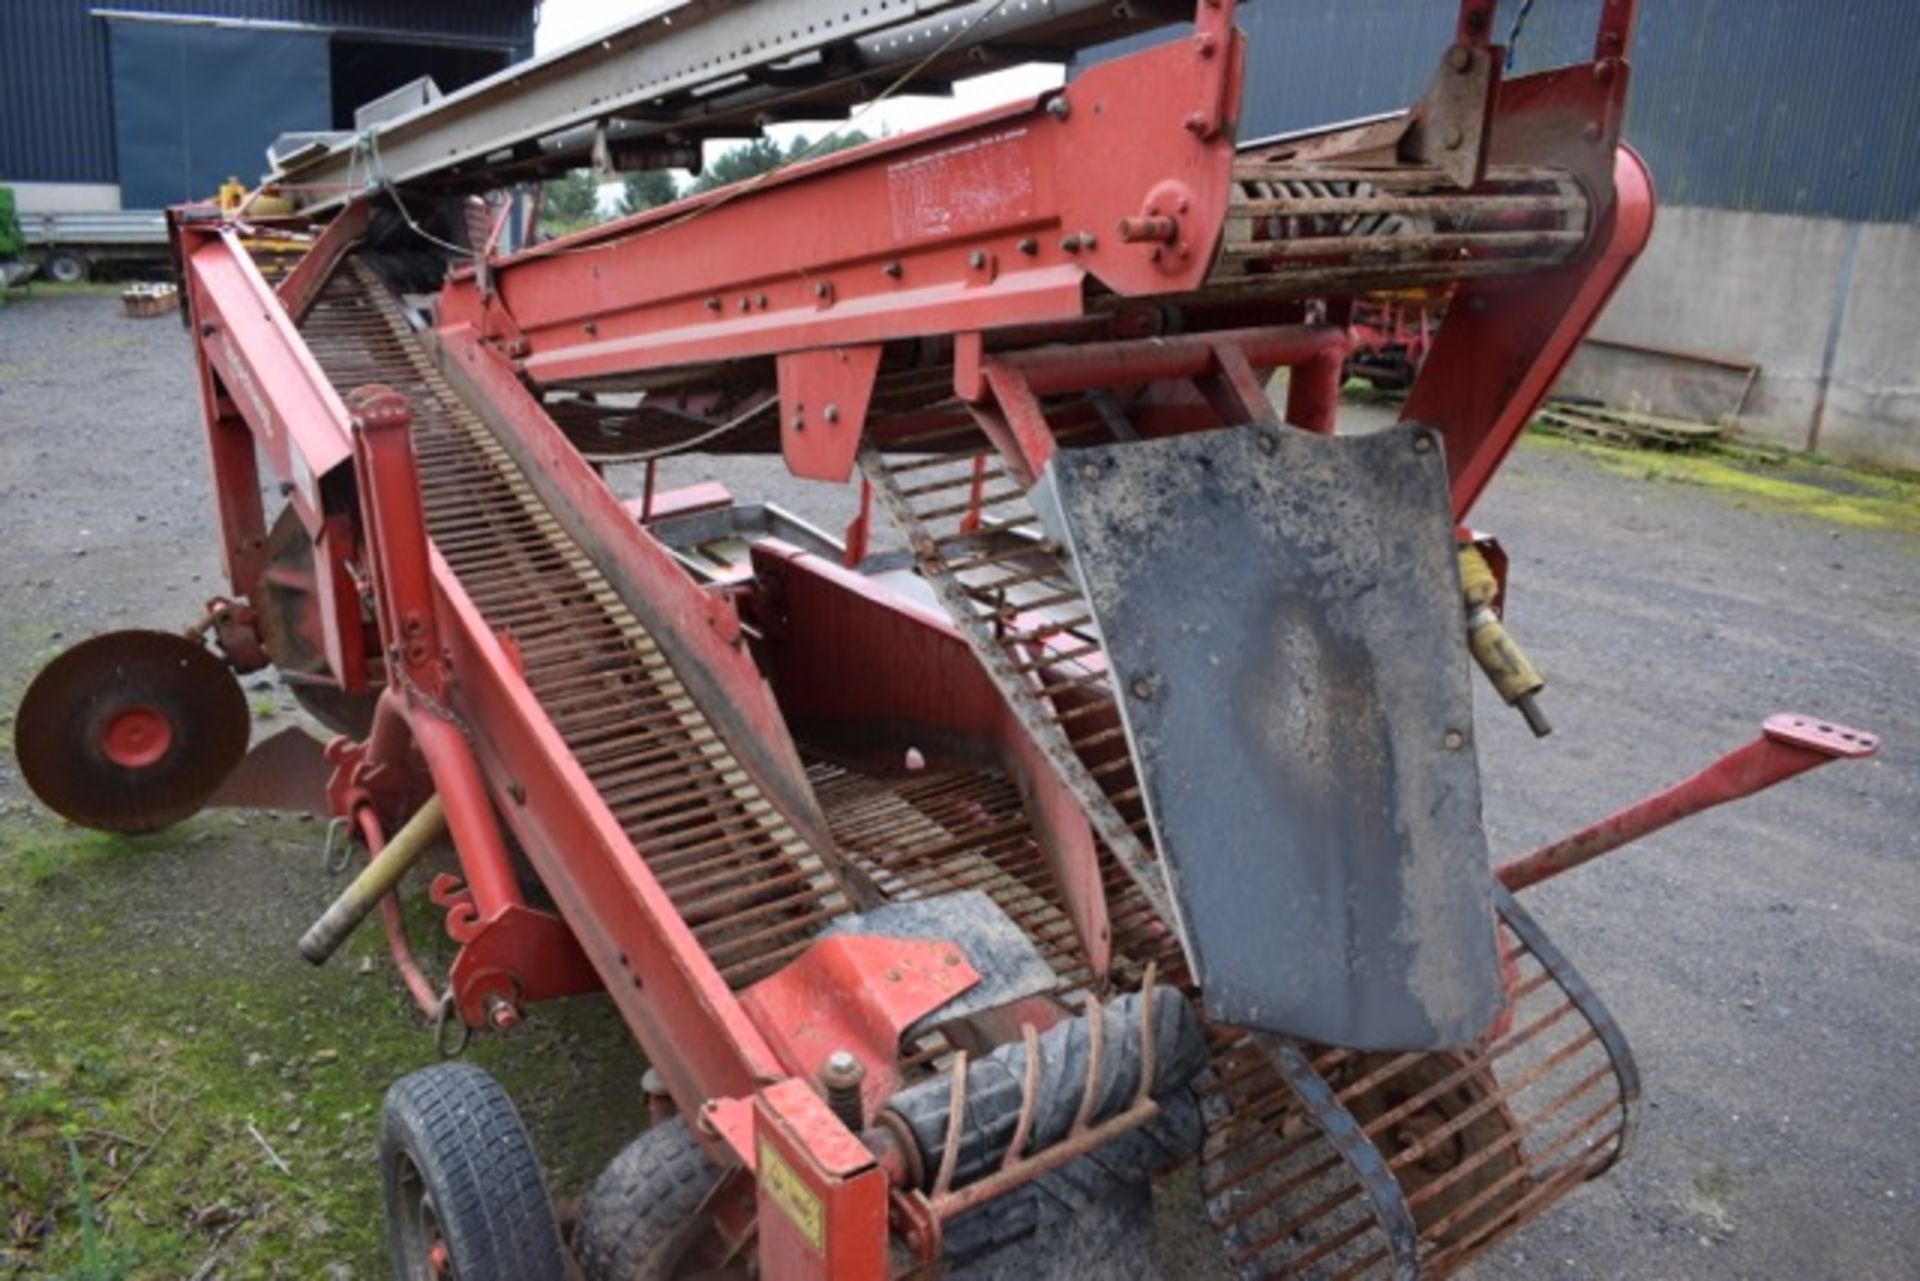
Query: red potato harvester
1128 817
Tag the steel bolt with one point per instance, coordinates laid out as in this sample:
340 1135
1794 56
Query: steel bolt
893 271
1590 131
1058 107
1028 246
502 1016
1460 59
1090 471
1452 139
517 793
713 304
842 1087
1454 740
977 259
1149 226
1267 443
1142 689
821 288
1203 44
831 413
1070 243
1423 444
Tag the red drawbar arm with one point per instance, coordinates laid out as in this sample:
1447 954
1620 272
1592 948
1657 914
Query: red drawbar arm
1788 745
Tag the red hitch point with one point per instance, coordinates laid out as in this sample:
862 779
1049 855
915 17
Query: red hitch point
1788 745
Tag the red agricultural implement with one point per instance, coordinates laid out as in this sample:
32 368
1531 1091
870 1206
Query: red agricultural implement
1122 812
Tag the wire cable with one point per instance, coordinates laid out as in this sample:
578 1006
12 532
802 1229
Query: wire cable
1513 32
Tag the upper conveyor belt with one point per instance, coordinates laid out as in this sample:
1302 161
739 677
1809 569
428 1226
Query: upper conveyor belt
691 69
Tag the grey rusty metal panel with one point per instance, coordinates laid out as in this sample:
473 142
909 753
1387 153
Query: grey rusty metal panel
1775 106
56 103
705 63
1281 614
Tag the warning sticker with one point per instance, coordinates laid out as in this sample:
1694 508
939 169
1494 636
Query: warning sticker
976 185
801 1204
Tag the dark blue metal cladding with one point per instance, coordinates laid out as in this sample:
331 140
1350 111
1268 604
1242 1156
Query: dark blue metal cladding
196 105
56 104
1779 106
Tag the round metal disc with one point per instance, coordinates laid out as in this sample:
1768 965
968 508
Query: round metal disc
131 731
290 630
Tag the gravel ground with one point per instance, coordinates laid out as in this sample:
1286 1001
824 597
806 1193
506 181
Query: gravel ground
1763 958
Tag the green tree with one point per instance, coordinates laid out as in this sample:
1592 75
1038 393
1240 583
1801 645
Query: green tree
737 164
569 203
648 189
764 155
826 146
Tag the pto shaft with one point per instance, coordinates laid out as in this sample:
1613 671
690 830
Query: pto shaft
375 881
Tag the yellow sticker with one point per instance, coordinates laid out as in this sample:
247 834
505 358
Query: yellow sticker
790 1194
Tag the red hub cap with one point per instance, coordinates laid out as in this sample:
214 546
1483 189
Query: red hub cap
136 738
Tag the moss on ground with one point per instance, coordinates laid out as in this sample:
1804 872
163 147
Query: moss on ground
1794 485
163 1103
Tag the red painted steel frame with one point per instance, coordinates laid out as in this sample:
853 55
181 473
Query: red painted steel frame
261 390
1788 745
1506 339
854 661
994 221
997 221
687 1021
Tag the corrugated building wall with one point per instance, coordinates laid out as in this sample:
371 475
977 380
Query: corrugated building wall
1775 106
56 103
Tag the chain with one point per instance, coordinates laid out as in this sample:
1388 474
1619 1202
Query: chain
449 1016
338 853
433 705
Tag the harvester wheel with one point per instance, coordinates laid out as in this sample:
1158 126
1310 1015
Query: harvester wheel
641 1217
463 1189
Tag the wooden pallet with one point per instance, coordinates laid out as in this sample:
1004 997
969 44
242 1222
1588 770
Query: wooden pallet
1626 426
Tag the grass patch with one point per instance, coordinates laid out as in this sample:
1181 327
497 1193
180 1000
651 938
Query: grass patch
1797 486
148 1062
1708 1200
39 288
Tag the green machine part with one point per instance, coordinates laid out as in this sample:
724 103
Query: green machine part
12 243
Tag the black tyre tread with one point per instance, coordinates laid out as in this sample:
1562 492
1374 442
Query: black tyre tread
1120 1168
634 1220
466 1138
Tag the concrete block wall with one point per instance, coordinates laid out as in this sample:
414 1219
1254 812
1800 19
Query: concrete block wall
1827 309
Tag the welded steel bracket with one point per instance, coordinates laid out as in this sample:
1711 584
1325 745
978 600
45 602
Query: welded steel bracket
1281 619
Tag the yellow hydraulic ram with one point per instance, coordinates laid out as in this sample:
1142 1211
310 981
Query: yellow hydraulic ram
325 935
1502 660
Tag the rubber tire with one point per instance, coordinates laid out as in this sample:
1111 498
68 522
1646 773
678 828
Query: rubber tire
986 1242
463 1138
65 267
640 1215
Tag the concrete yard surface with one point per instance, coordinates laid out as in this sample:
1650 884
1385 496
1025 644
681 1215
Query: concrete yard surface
161 1039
